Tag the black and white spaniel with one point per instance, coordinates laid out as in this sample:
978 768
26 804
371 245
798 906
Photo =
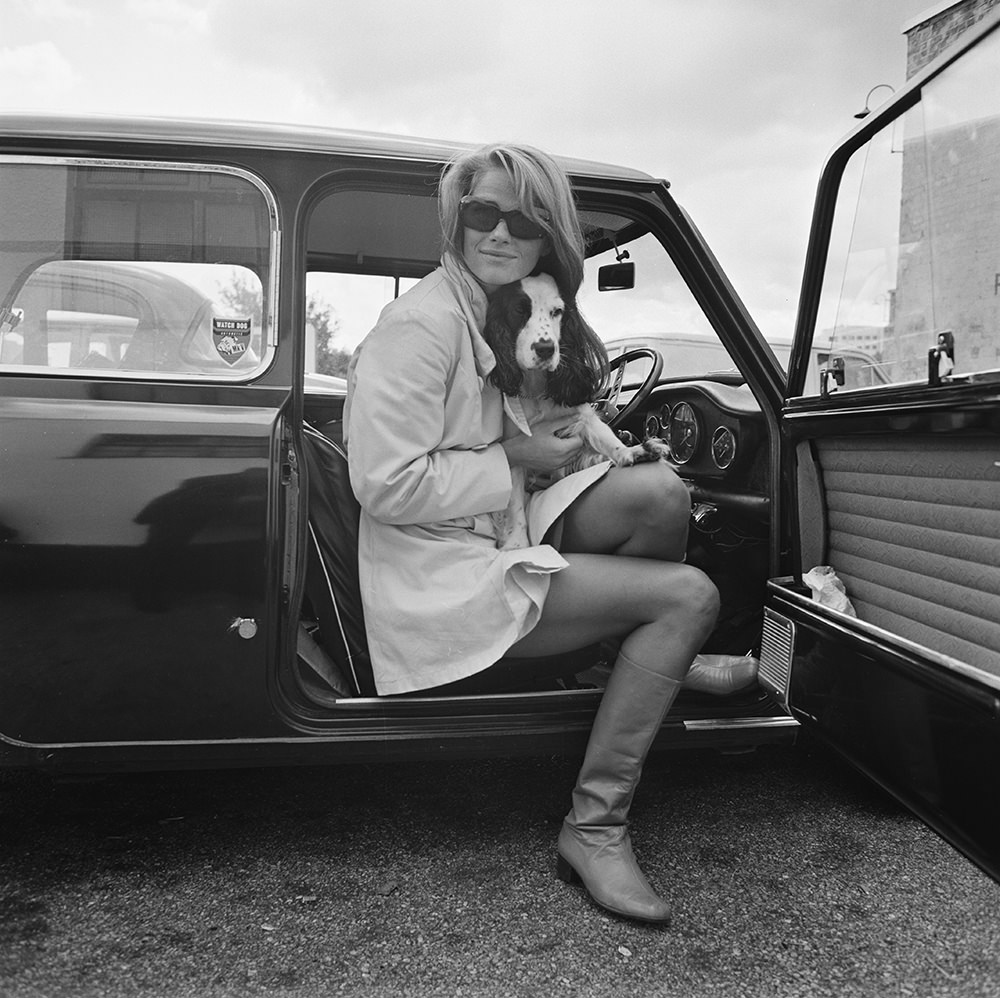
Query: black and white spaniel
547 363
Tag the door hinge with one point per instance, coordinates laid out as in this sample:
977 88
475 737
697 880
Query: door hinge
289 467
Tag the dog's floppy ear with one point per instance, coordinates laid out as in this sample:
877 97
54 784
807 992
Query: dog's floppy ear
508 310
582 360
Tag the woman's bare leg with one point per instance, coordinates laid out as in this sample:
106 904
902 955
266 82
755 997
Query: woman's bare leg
625 538
663 610
641 511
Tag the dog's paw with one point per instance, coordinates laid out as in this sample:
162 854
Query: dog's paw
649 450
654 449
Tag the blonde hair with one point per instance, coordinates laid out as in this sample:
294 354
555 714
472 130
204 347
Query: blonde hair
544 194
542 189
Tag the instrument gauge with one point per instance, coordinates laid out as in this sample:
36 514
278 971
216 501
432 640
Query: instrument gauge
652 425
723 447
683 433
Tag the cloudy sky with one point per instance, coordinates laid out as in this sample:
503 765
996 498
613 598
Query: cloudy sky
736 102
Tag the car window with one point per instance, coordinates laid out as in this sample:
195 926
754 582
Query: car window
133 272
364 248
913 253
341 309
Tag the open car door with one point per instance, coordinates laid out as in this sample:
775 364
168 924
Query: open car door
893 463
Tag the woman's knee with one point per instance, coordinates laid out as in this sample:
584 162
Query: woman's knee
694 599
664 492
658 496
660 511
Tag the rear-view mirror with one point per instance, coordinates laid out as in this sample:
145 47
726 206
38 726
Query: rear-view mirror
616 277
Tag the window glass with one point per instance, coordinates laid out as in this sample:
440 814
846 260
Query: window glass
133 272
364 248
660 304
913 264
658 313
340 311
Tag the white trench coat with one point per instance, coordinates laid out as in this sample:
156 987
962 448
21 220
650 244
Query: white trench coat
423 428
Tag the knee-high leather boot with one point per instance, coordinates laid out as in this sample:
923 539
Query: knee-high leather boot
594 845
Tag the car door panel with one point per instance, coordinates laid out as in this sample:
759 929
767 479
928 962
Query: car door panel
896 487
138 533
913 530
140 451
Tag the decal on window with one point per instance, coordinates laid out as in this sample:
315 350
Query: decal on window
231 338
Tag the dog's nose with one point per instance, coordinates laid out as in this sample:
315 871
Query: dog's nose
544 349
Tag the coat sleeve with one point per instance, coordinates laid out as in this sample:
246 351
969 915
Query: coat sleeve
401 470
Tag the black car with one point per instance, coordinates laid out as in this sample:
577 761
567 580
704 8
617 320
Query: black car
177 533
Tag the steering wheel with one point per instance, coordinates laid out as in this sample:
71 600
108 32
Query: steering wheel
608 401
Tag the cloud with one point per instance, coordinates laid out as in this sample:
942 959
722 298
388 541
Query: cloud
34 74
576 75
736 103
56 10
172 14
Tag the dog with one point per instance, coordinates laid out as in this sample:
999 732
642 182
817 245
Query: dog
548 363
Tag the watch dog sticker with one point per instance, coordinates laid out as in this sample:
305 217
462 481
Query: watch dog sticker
231 338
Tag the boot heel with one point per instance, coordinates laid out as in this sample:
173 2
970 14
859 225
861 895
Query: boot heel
565 872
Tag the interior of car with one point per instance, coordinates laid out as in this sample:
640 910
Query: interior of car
366 243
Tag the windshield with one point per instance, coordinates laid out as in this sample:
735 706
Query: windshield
683 356
660 300
659 313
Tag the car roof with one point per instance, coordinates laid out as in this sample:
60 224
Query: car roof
265 135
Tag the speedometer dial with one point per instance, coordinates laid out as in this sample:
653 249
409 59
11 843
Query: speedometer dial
683 433
723 447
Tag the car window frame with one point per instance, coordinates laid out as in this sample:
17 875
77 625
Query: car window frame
269 314
831 177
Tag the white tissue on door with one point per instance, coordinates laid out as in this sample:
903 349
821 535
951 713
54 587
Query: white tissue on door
828 589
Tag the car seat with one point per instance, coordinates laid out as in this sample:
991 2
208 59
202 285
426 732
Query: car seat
333 589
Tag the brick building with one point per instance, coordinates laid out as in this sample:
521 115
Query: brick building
932 31
948 271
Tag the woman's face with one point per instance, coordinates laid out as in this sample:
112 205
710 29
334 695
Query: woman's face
497 257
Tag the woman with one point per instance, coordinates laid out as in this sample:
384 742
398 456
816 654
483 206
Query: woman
428 466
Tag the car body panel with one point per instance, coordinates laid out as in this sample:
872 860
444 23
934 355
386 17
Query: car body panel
144 537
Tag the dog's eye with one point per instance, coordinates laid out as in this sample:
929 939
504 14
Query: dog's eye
557 312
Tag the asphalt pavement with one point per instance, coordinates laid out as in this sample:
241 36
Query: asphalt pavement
789 876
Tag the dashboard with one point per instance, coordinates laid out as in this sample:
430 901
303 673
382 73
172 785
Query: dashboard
717 441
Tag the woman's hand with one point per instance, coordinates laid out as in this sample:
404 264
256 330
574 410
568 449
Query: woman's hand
547 449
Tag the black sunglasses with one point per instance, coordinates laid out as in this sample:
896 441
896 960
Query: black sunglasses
484 217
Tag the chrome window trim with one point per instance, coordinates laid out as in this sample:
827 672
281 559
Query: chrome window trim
740 723
883 637
269 319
